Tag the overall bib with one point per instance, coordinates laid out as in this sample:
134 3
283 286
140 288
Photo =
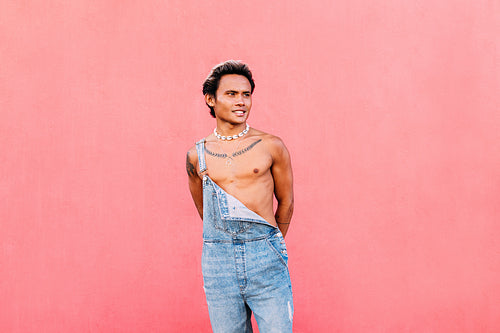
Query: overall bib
244 264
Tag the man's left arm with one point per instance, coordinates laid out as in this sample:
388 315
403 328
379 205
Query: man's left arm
283 185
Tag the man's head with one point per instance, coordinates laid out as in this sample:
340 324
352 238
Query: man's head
212 82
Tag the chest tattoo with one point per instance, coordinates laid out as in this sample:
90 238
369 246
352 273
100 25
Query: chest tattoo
236 153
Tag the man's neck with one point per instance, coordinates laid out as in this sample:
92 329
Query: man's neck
228 129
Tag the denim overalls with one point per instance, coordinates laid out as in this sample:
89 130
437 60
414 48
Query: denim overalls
244 264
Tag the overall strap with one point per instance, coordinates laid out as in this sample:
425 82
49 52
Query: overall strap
200 149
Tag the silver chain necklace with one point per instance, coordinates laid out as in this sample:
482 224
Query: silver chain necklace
234 137
228 157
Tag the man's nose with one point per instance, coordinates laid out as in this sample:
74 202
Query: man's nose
240 101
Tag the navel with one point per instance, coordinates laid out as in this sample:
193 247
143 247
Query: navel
255 170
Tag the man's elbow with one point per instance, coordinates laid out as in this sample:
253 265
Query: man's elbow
286 202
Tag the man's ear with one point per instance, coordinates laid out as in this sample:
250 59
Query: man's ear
210 100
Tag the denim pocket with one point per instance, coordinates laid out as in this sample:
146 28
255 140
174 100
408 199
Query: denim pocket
277 245
231 227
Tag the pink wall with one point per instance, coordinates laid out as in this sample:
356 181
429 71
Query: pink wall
389 108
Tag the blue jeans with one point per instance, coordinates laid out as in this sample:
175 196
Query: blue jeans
244 265
242 276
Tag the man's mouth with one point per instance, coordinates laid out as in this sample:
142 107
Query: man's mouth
239 112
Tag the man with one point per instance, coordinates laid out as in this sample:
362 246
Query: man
233 174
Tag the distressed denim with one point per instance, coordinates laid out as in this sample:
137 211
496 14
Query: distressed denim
244 264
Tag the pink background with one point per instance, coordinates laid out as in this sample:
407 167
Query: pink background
390 110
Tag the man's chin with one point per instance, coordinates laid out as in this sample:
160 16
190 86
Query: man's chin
236 122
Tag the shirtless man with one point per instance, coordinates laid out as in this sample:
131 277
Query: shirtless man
233 174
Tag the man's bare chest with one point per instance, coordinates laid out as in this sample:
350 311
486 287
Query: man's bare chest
237 163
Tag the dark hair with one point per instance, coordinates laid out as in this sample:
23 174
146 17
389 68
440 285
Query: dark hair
227 67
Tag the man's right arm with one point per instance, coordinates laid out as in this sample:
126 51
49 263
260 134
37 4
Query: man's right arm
195 186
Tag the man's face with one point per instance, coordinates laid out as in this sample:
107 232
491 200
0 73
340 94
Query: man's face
233 99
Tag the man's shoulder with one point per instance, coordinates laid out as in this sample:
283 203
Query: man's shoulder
192 149
192 154
271 140
274 144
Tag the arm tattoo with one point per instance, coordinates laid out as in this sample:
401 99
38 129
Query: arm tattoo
190 167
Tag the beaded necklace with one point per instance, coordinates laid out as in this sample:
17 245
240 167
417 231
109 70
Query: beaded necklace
234 137
229 157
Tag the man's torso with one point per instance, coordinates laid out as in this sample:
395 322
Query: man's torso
243 169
